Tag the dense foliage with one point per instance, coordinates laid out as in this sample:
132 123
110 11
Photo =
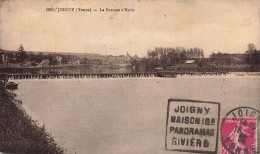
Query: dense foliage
159 57
169 57
252 56
19 133
165 57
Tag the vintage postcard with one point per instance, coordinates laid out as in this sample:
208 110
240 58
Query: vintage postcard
134 77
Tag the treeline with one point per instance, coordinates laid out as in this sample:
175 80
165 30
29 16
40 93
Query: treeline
54 59
178 53
159 57
169 57
165 57
35 59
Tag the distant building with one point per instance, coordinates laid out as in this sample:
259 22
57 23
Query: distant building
189 61
77 62
4 60
226 59
128 55
58 59
45 62
187 66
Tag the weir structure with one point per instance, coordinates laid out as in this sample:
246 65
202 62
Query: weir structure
108 75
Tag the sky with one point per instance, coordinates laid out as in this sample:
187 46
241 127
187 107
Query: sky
215 25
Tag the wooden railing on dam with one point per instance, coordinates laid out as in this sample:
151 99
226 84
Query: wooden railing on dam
68 76
105 75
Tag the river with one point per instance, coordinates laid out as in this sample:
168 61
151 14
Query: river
126 115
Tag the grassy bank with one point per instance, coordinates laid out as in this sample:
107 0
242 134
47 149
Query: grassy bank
19 133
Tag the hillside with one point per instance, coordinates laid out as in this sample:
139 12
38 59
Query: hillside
19 133
82 55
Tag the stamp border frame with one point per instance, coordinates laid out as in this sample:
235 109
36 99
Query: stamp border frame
193 101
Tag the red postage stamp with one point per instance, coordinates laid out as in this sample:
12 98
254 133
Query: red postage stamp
239 136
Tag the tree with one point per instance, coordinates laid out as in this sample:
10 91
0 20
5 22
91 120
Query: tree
39 57
65 59
21 55
52 60
84 61
251 47
252 56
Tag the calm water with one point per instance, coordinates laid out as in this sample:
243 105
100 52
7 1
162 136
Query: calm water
124 115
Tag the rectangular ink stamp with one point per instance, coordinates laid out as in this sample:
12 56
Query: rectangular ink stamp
192 126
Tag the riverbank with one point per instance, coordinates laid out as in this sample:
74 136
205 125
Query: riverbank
19 133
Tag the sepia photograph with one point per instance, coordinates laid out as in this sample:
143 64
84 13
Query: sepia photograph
129 77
